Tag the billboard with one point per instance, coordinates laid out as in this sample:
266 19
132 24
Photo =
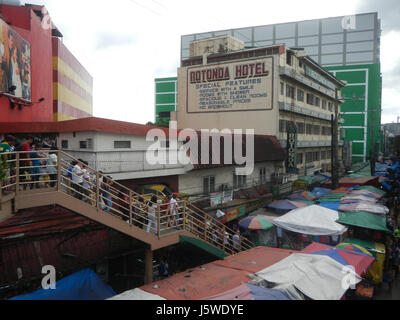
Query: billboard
15 70
241 86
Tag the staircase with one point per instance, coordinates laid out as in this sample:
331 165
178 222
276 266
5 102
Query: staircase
109 203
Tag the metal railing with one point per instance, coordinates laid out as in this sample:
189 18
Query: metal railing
47 170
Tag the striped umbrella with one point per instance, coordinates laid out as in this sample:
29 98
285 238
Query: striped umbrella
353 247
255 223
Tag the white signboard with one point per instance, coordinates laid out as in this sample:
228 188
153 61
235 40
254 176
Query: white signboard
241 86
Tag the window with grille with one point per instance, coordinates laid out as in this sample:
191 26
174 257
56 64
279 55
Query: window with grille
317 129
239 181
309 128
310 99
300 95
64 144
316 156
330 106
290 91
83 144
263 175
299 158
309 157
300 127
209 184
282 88
317 102
324 104
122 144
323 155
282 125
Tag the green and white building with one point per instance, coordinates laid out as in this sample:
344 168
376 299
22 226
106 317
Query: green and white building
347 46
165 99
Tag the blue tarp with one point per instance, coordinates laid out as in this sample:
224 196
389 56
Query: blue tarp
259 293
330 205
83 285
319 192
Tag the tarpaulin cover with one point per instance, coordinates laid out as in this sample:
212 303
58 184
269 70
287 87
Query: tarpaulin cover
83 285
312 220
373 189
333 205
366 207
286 205
255 259
305 195
334 197
136 294
316 276
364 220
249 291
359 198
349 182
367 193
319 192
359 261
198 283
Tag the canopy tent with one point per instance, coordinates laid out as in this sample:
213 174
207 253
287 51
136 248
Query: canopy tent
367 193
317 276
373 189
319 192
312 220
332 197
286 205
83 285
375 208
250 291
255 223
354 248
361 262
363 220
136 294
357 197
305 195
333 205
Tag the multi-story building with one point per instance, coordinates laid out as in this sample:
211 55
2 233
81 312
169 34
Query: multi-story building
264 89
165 100
40 80
347 46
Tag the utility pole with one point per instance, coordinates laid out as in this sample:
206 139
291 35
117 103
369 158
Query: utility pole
334 154
372 148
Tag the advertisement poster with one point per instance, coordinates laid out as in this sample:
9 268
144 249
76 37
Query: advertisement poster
15 70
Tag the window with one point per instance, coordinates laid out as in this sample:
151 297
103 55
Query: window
282 88
309 157
324 104
300 95
289 58
316 130
301 65
209 184
329 154
282 125
239 181
164 115
309 128
300 127
122 144
82 144
323 155
316 156
165 144
299 158
330 105
310 99
64 144
326 131
90 143
263 175
290 91
317 102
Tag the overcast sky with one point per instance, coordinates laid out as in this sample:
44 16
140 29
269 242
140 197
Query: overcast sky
126 44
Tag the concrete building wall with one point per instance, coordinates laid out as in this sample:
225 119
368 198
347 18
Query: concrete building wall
192 182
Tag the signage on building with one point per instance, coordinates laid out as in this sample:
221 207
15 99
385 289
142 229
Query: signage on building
245 85
234 213
317 77
291 164
15 69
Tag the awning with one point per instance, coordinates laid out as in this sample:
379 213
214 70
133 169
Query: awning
363 220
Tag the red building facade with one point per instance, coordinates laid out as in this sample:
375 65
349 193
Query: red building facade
48 101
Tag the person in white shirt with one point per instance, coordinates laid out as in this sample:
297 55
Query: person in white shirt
173 208
236 240
86 182
152 215
77 180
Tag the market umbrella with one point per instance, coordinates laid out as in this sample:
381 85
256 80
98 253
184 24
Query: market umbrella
360 261
353 247
286 205
255 223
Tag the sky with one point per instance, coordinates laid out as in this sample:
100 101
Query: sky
126 44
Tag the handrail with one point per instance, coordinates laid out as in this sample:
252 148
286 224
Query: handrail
111 197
